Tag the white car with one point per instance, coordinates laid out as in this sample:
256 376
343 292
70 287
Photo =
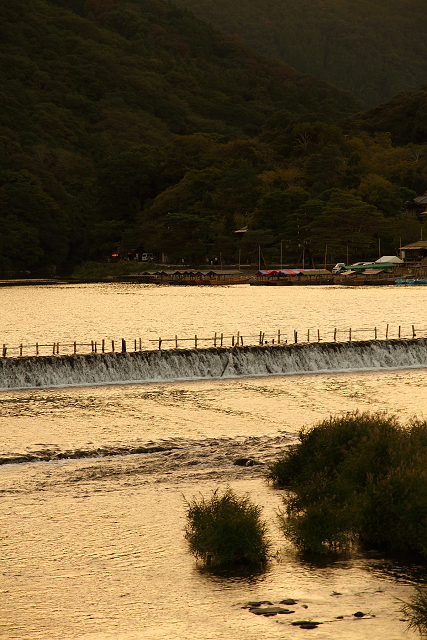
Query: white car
147 257
339 267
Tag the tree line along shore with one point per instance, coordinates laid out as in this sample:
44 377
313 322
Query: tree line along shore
135 126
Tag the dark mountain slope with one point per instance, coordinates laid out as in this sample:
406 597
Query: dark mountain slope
373 48
404 117
78 89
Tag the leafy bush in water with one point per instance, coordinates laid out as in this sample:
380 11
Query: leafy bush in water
361 477
226 529
416 611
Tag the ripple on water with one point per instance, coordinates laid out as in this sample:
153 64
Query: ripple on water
107 553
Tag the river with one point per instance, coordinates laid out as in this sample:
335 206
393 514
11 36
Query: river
94 489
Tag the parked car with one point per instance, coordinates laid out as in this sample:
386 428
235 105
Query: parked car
339 267
148 257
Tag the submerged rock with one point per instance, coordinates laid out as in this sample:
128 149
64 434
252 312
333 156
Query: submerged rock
270 611
289 601
246 462
306 624
252 605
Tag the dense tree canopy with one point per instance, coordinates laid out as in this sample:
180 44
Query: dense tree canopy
404 117
133 126
89 92
373 48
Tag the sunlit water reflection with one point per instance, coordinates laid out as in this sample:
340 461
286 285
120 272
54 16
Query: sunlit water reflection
93 548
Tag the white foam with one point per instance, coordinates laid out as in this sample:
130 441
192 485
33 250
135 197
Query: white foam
162 366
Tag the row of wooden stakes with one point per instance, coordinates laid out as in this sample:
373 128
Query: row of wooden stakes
219 340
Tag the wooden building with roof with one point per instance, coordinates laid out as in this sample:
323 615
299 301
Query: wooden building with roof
415 253
417 207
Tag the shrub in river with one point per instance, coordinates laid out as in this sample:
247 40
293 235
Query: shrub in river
226 529
416 611
361 477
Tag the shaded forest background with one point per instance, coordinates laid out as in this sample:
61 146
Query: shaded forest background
135 126
373 48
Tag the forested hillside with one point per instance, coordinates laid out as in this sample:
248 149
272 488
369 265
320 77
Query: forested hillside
373 48
404 117
133 126
77 91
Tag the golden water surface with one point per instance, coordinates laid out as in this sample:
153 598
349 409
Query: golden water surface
93 548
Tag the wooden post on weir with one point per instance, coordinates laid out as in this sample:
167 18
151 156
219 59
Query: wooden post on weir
399 332
95 347
295 336
386 333
335 334
349 335
37 348
232 341
140 345
75 347
308 335
160 343
53 350
215 339
103 345
222 335
413 331
318 335
238 338
4 351
123 346
92 346
278 336
176 342
112 346
20 349
260 337
241 340
57 348
135 344
195 341
375 333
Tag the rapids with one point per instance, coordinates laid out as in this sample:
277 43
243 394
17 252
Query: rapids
192 364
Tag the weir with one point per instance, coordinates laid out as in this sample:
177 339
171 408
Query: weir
187 364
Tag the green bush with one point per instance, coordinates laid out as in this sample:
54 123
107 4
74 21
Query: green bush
226 529
357 478
416 611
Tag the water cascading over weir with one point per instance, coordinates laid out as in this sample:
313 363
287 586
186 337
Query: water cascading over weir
188 364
